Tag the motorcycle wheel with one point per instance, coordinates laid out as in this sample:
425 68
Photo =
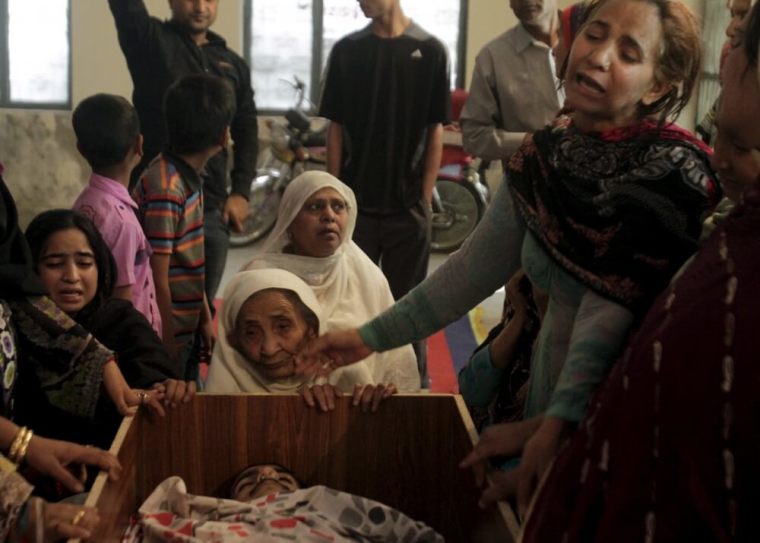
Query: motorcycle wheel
461 209
263 205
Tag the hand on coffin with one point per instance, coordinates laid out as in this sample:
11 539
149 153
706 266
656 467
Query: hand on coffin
322 396
370 396
367 396
126 399
332 350
52 457
175 392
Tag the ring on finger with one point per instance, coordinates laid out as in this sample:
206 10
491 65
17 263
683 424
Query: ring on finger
143 397
78 517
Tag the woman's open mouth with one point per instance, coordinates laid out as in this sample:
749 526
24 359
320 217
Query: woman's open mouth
589 83
70 295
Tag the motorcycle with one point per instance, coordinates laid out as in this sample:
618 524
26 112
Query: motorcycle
460 195
295 147
460 198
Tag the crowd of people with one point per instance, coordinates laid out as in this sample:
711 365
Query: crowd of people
615 399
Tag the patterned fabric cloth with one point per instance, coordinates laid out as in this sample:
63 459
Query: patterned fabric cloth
8 360
63 363
14 492
619 210
316 514
669 450
171 212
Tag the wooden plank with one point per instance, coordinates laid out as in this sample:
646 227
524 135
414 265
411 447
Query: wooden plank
406 455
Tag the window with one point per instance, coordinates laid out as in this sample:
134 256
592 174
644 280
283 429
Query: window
33 75
290 38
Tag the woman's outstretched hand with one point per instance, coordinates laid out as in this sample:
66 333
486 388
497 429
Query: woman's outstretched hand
330 351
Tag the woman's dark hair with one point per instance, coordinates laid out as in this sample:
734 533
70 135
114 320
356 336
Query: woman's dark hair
197 110
680 58
106 127
48 223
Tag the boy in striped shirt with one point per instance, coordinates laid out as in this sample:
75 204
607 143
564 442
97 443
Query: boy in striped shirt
198 110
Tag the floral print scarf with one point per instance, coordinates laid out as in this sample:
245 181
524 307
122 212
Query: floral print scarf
619 210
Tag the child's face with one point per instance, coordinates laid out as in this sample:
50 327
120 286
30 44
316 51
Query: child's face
737 146
68 270
269 331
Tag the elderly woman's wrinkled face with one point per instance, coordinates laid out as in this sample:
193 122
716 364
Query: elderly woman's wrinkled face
319 227
269 332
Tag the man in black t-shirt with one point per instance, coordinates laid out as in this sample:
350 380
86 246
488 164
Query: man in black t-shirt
159 53
386 93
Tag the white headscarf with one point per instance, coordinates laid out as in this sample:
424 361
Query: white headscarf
231 372
348 285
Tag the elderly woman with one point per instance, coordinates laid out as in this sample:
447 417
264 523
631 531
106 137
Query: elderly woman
312 239
268 317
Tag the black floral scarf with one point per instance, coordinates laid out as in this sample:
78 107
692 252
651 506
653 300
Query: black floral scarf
619 210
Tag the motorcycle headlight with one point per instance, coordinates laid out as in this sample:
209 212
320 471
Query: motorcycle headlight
280 138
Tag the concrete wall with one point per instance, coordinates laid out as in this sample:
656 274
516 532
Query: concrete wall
42 166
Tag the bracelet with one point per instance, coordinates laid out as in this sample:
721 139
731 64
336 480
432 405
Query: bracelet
16 444
20 444
24 446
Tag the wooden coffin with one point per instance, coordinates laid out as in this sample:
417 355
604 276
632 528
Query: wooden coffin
405 455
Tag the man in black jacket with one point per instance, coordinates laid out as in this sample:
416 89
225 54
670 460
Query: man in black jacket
160 52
